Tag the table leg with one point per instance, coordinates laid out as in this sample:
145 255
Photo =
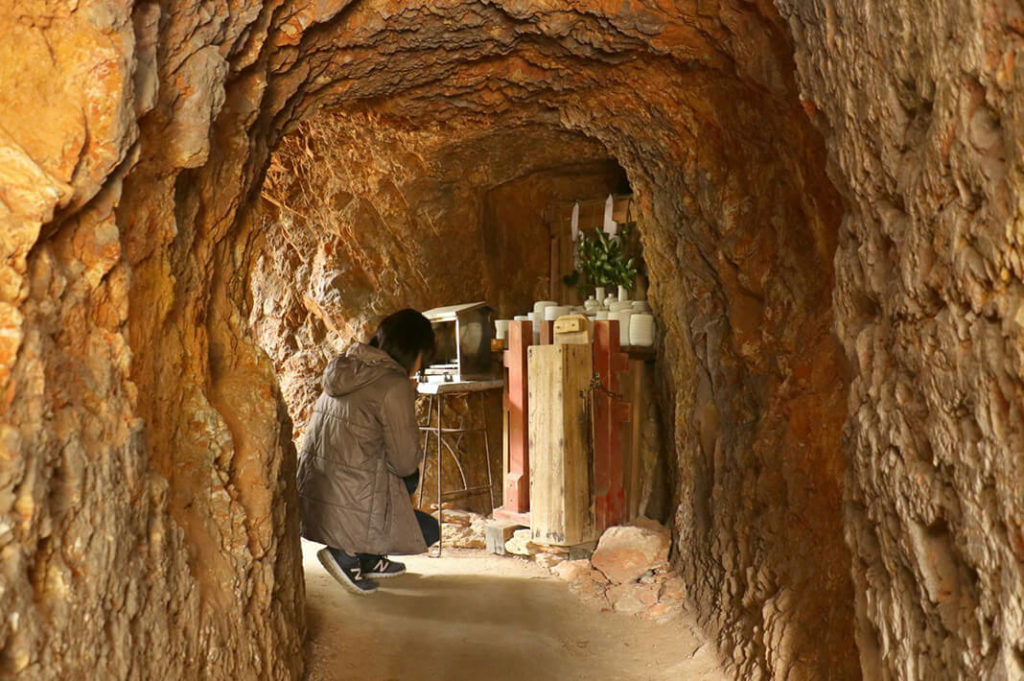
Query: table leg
440 509
423 458
487 450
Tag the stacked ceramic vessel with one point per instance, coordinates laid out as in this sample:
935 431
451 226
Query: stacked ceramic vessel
636 323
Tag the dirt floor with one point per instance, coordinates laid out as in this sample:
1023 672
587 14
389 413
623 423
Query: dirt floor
472 616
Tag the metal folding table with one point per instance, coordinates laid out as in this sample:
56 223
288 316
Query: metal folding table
438 393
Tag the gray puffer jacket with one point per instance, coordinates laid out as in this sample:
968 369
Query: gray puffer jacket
363 439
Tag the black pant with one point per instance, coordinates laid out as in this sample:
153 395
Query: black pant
429 526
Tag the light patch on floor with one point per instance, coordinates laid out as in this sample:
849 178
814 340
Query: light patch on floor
472 616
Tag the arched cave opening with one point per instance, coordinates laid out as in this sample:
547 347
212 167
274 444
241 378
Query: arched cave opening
740 224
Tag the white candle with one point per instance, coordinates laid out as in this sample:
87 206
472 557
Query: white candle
610 228
575 234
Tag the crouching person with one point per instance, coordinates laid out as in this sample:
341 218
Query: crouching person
360 457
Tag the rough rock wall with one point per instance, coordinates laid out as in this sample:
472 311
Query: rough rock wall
739 248
925 141
147 524
146 457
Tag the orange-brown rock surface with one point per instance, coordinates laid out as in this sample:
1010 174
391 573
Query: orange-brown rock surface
147 521
925 141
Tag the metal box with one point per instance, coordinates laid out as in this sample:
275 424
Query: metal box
462 335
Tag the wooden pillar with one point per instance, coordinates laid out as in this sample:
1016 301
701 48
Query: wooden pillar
560 470
611 410
516 476
547 332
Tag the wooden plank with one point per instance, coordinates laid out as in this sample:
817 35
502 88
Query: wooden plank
496 533
573 329
560 495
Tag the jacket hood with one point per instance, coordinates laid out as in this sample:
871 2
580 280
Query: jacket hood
358 367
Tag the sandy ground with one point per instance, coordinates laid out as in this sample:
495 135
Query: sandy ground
475 616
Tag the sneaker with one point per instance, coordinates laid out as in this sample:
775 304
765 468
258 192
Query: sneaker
349 575
380 567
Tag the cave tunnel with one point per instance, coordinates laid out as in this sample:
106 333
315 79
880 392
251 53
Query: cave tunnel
202 202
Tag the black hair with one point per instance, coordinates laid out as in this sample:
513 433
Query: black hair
404 335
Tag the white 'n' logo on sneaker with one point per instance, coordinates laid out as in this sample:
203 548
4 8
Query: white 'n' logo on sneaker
381 566
357 574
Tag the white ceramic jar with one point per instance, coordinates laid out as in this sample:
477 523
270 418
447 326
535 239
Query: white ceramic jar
641 330
539 306
501 329
553 312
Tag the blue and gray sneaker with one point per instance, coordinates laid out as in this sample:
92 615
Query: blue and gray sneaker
380 567
346 570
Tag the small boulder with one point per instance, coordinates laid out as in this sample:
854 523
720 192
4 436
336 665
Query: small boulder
572 570
459 517
631 599
673 590
626 552
520 542
549 560
590 586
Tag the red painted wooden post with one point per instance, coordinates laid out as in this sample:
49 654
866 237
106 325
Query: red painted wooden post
547 332
610 412
516 476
